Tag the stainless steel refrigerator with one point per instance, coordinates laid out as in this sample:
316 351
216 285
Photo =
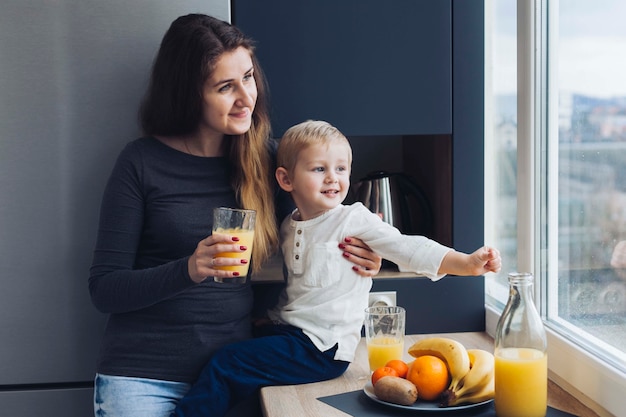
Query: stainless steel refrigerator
72 73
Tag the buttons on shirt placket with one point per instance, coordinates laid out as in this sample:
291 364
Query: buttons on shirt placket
298 244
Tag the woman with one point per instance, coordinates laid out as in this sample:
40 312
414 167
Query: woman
206 125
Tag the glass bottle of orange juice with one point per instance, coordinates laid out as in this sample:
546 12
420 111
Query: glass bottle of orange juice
521 370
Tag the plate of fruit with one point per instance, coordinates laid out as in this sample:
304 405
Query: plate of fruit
444 376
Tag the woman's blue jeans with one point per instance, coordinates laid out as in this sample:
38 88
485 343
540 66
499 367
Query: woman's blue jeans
282 355
118 396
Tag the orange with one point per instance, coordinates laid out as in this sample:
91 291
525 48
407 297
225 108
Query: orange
400 366
430 376
381 372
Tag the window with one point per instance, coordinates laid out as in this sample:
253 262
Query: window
556 115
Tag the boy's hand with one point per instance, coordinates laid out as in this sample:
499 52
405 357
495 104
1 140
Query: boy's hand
485 259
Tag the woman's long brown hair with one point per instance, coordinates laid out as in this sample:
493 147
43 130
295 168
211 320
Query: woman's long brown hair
173 107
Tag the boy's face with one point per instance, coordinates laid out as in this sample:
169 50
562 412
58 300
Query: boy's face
320 179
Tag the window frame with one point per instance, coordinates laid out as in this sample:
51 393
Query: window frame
594 381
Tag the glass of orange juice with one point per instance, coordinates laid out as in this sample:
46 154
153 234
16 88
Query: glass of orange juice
239 223
384 334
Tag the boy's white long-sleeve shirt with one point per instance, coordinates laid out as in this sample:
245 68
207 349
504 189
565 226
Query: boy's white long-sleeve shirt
324 297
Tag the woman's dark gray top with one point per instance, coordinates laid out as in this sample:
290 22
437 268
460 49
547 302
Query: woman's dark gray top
157 206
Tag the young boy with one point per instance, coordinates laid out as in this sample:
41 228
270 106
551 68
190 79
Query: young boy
316 325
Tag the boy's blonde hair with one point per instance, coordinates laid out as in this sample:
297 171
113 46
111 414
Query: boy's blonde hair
305 134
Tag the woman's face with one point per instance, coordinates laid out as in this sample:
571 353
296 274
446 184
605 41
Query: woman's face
229 94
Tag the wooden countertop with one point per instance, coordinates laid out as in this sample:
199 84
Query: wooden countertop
301 400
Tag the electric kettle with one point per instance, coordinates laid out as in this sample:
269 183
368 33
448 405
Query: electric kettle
398 199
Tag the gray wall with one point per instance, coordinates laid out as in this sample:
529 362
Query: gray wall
72 73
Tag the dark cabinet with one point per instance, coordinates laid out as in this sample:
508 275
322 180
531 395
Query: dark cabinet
401 78
368 67
452 304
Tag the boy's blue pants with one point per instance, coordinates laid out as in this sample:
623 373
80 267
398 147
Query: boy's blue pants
281 355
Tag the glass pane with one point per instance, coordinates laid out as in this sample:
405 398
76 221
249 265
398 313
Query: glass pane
501 141
590 47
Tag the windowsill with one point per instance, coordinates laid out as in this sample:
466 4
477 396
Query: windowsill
594 383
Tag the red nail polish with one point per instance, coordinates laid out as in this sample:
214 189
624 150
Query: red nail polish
235 239
235 274
342 246
347 240
244 261
243 247
355 268
346 255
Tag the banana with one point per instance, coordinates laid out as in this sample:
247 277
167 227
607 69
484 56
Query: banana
452 352
482 365
480 374
487 392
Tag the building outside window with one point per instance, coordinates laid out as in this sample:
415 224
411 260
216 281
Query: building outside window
556 111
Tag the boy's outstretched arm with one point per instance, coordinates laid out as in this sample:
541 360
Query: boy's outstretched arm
481 261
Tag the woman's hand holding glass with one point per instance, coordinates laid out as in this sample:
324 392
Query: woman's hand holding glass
203 262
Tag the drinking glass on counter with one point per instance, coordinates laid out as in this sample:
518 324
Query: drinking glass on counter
240 223
384 334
